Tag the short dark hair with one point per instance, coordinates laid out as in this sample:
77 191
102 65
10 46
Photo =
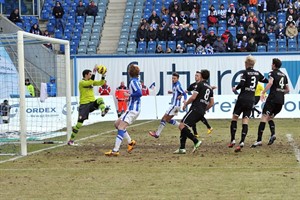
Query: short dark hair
86 71
277 63
205 74
175 74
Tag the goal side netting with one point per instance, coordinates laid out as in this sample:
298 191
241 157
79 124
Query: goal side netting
35 91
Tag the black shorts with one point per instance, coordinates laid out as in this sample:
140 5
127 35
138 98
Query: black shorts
86 109
244 107
271 109
192 117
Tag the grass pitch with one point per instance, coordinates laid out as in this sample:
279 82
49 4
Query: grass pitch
151 171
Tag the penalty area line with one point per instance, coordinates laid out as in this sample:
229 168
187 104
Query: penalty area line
294 145
81 139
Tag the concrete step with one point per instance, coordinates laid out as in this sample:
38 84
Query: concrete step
112 27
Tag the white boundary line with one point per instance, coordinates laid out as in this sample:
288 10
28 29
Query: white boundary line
82 139
294 145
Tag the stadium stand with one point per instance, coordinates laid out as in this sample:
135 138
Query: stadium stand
80 28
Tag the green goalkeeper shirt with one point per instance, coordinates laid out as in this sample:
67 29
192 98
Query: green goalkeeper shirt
86 90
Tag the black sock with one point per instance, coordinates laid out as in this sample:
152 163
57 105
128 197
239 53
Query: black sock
244 132
204 120
182 139
233 130
272 127
194 129
189 134
261 129
256 111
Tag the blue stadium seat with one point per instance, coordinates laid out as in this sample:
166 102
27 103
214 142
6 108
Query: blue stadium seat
252 9
292 47
172 45
91 50
292 42
181 42
152 44
212 28
51 19
261 48
20 25
221 30
151 49
232 30
80 19
121 50
58 34
45 15
271 48
281 42
68 33
272 43
281 48
69 26
50 27
131 50
223 23
141 50
142 45
190 49
163 45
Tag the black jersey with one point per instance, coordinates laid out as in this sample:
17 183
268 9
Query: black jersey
248 83
205 92
192 87
277 90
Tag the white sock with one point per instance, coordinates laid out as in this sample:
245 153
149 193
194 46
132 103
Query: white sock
119 139
127 136
160 127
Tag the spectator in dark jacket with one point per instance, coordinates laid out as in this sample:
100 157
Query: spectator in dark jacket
211 37
181 32
35 29
91 9
272 6
155 17
219 45
189 39
161 33
263 38
15 16
252 46
58 12
174 4
80 9
151 34
141 34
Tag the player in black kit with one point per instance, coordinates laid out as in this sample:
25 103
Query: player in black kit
191 88
278 85
245 101
202 100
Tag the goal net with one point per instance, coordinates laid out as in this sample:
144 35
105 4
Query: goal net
35 91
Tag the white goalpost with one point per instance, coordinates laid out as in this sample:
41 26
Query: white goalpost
45 113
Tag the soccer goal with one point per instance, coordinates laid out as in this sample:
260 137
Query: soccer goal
35 91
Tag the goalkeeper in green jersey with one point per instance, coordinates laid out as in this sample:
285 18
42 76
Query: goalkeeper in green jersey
88 102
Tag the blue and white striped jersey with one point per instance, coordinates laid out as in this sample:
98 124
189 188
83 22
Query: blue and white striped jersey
177 91
135 90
